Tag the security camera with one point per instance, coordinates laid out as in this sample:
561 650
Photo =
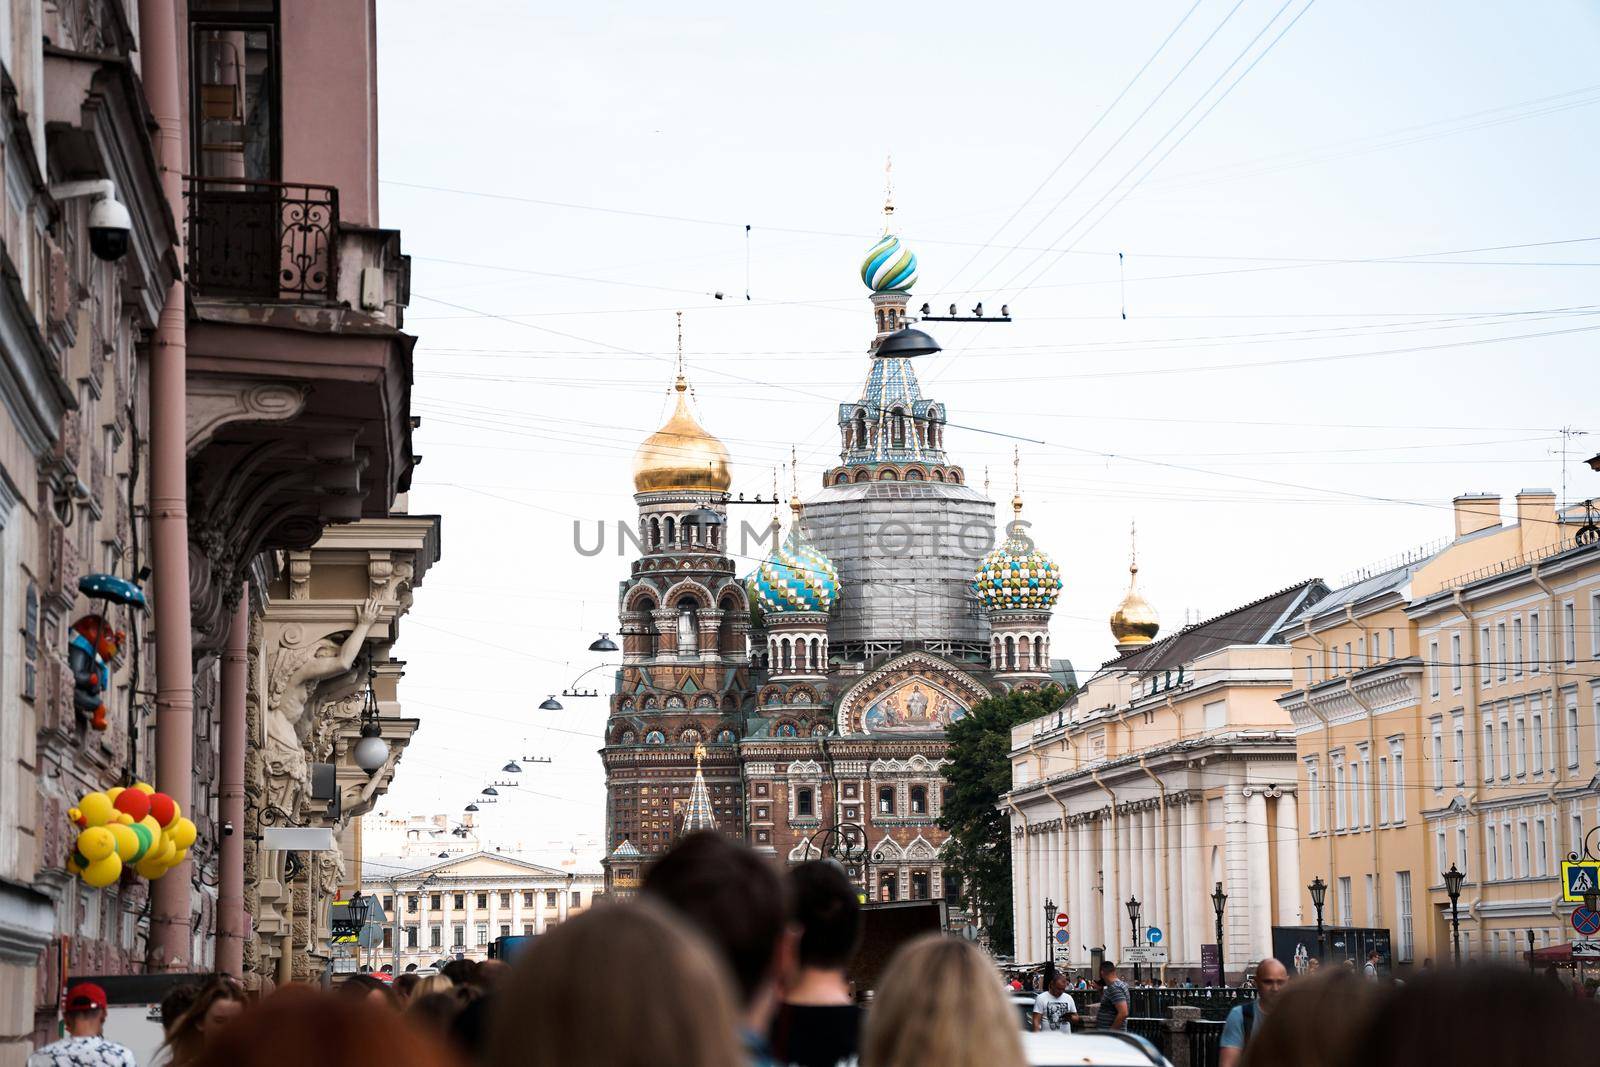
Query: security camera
227 829
109 221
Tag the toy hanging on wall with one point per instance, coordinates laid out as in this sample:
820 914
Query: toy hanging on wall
93 647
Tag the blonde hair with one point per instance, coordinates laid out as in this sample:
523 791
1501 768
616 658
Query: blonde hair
940 1005
433 983
560 1006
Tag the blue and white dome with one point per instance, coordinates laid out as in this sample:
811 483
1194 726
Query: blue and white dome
798 577
890 267
1016 576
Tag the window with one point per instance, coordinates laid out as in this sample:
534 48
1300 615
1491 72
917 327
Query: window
411 937
1543 850
1516 646
1572 732
1391 642
505 898
1576 834
434 937
577 899
1488 751
1508 855
1402 911
1524 854
1461 847
1485 657
886 801
1397 763
804 803
234 93
483 934
1316 798
1336 759
1505 744
527 898
1363 776
888 887
483 900
1538 741
458 935
411 903
919 800
1433 669
435 901
1459 757
1491 854
1346 913
1522 746
1440 853
1569 637
549 898
1455 662
1310 671
1594 625
1502 654
1383 790
1534 643
505 929
527 929
1215 714
1372 902
919 885
388 902
1437 741
461 901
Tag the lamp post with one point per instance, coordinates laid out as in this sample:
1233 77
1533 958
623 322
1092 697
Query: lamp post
1530 951
1219 903
1049 955
1452 887
1133 930
1319 893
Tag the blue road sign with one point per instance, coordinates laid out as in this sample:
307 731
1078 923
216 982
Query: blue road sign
1153 935
1062 937
1585 920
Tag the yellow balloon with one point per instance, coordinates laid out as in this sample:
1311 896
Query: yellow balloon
148 868
149 823
127 841
114 792
103 872
144 787
96 843
177 813
124 818
182 833
177 858
72 864
162 853
96 809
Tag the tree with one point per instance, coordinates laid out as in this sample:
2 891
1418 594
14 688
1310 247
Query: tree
979 771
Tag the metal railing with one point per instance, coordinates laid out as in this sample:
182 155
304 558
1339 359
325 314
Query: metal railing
1214 1002
260 240
1154 1031
1205 1042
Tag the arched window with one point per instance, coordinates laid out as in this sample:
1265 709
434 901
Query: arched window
729 640
938 476
862 476
655 533
668 531
646 633
886 800
688 626
913 475
861 429
888 887
691 532
897 428
886 475
805 803
919 800
842 478
816 655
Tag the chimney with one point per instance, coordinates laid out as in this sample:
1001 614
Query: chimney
1536 505
1476 511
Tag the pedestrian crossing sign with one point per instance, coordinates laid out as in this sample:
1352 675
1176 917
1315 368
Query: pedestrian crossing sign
1577 878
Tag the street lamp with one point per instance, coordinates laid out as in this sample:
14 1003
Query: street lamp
1049 956
1530 951
1219 903
603 644
1319 893
550 704
1452 887
372 751
1133 930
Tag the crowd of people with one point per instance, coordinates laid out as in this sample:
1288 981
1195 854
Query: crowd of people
721 961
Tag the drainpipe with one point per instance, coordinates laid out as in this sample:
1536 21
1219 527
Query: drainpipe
1470 685
1166 883
1372 781
230 794
1027 868
1327 746
1113 862
170 934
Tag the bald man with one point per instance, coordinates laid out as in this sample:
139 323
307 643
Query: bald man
1271 976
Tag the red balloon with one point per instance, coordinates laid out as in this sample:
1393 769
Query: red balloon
133 802
163 808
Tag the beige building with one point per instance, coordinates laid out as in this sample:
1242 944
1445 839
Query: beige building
1171 770
438 908
1445 713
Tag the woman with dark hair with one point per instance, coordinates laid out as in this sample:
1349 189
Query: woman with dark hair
301 1026
217 1002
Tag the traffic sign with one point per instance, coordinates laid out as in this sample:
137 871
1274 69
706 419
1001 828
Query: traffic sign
1153 935
1062 920
1062 937
1585 920
1144 954
1586 948
1577 878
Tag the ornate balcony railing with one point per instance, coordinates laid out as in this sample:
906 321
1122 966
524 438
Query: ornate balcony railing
259 240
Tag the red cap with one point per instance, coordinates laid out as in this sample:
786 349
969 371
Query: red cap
86 996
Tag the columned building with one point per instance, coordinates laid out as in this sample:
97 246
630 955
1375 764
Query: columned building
1170 771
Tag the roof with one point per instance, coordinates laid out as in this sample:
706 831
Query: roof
382 868
1254 623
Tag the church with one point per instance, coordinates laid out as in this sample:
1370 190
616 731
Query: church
798 702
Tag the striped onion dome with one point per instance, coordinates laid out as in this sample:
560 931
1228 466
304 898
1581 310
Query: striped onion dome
797 577
1017 576
889 267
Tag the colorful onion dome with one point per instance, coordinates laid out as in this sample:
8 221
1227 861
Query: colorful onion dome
797 577
681 455
1016 575
890 267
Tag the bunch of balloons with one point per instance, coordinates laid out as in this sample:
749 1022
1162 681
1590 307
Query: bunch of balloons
120 827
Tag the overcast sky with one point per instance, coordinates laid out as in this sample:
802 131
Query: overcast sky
1359 254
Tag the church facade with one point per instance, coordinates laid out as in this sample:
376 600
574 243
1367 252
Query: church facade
799 702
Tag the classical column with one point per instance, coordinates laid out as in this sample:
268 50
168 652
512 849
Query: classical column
1111 880
1192 888
1152 898
1172 860
1022 887
230 794
1288 860
1259 861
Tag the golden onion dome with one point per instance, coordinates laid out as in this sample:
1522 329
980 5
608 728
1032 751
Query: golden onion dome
681 455
1134 623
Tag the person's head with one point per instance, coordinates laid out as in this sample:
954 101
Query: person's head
435 1012
1058 983
938 1004
219 1001
1373 956
1108 971
175 1003
404 985
828 914
563 1006
460 972
297 1025
433 983
489 974
737 902
1271 977
373 989
1313 963
84 1013
1314 1022
1472 1016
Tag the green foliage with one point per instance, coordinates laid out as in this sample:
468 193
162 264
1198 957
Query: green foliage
979 772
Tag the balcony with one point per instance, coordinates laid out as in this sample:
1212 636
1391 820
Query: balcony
261 240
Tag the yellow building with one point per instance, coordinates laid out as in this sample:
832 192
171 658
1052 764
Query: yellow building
1171 770
1446 713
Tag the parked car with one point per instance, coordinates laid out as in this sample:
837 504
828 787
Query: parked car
1092 1048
